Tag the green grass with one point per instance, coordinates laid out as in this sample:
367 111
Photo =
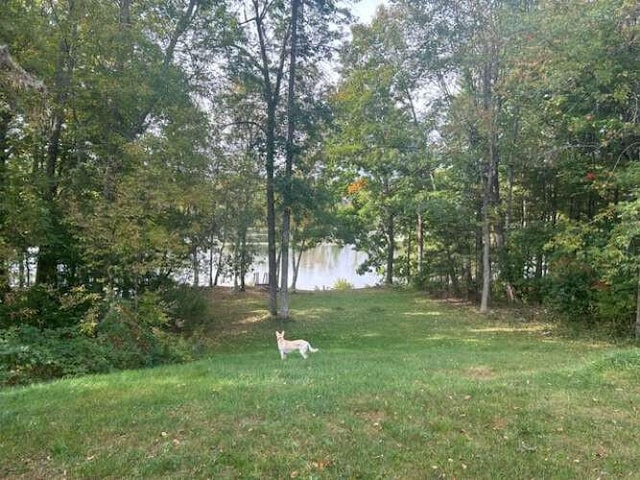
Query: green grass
403 387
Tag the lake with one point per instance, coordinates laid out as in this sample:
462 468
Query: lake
320 268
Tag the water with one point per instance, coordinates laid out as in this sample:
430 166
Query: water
320 268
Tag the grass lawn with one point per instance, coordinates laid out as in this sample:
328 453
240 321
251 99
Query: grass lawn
403 388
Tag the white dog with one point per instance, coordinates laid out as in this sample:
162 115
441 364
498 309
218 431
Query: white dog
287 346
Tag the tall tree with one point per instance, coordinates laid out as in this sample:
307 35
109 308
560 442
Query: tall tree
15 83
462 43
377 135
121 86
576 81
296 12
264 63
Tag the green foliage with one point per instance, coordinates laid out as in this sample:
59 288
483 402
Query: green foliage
377 143
187 306
102 187
50 336
43 306
29 354
114 177
342 284
569 289
132 330
616 307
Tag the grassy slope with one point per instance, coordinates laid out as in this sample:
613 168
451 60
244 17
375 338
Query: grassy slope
403 387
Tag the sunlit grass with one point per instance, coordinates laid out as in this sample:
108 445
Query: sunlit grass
402 387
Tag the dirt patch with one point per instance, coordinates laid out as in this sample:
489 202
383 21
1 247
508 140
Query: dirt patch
229 293
455 301
480 372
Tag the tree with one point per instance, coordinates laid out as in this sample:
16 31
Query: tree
377 136
265 60
15 82
122 110
463 44
290 152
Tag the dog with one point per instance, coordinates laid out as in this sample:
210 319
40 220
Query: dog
288 346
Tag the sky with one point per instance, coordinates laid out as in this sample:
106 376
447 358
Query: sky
366 9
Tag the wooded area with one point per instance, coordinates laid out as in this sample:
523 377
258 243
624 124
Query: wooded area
483 149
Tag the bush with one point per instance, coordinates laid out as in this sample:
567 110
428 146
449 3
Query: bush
43 306
128 334
342 284
569 290
616 308
29 354
186 305
132 331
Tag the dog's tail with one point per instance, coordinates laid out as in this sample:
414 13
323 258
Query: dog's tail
313 350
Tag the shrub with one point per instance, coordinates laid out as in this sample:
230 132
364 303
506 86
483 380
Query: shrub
43 306
127 334
29 354
342 284
186 305
569 289
616 308
132 331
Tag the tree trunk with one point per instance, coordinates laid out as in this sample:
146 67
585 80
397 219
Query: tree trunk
488 201
219 265
390 231
46 272
638 309
195 264
491 197
5 120
271 212
243 259
420 243
271 95
291 127
296 265
486 259
210 264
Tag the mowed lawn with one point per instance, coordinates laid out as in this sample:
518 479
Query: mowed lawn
403 388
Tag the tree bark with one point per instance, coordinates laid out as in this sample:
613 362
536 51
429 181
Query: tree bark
638 309
5 120
486 257
47 263
420 243
296 265
390 232
291 117
271 213
490 110
271 95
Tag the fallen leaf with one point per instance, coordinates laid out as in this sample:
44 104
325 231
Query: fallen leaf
321 464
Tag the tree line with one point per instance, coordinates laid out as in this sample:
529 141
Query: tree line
486 149
495 150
